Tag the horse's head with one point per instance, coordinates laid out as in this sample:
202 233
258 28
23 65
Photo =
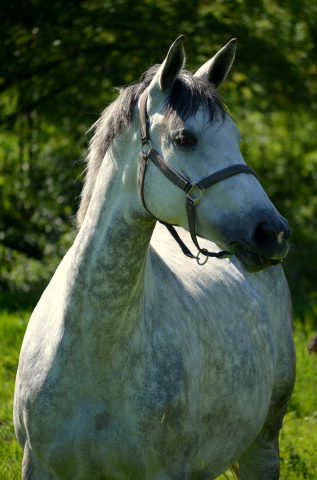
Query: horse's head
190 130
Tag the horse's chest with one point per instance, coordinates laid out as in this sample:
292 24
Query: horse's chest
204 384
172 390
237 385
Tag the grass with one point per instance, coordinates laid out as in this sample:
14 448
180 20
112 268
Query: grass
12 328
298 438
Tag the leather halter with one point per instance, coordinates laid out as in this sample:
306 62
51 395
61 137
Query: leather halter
194 190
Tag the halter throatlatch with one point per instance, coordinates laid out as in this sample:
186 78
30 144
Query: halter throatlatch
193 190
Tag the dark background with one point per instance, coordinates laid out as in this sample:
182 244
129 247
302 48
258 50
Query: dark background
59 64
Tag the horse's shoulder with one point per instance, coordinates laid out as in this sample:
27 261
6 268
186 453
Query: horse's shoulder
273 286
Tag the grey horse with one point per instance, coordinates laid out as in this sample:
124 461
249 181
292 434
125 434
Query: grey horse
138 363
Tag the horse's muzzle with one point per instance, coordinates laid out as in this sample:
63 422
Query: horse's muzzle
267 247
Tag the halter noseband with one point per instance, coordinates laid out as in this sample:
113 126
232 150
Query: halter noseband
194 190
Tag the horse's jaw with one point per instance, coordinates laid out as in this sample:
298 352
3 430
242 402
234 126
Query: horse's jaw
253 262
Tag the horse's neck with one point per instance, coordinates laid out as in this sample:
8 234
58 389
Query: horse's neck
111 250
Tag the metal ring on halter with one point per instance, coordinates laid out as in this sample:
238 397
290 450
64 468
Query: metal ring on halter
207 256
149 149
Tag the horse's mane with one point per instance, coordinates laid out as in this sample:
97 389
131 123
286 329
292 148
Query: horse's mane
186 95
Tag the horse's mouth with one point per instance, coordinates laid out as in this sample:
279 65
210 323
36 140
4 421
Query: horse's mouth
253 262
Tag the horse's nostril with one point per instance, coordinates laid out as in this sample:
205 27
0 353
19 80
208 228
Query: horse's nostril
265 233
267 230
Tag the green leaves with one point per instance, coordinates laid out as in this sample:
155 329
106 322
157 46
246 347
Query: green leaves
61 61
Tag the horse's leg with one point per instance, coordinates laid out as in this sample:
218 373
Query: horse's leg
178 470
179 475
32 469
261 460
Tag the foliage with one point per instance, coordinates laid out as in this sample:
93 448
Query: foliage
298 438
58 68
284 154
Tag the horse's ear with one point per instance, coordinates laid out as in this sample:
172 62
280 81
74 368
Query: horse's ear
171 67
216 69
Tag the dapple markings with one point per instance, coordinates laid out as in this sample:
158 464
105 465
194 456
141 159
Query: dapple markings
138 363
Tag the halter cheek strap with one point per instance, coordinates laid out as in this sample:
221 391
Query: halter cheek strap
193 190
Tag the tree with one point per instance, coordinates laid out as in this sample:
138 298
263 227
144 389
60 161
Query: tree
58 69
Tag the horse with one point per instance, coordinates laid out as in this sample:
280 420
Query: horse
142 360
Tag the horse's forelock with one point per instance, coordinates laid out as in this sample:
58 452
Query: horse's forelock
187 94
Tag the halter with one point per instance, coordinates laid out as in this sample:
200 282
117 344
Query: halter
194 190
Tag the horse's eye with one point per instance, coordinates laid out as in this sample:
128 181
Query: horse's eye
184 141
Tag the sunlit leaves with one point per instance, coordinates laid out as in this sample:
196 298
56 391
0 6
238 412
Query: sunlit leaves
60 61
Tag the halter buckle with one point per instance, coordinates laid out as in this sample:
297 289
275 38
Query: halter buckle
199 195
145 143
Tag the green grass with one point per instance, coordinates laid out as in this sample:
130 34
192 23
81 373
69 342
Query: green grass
12 327
298 438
